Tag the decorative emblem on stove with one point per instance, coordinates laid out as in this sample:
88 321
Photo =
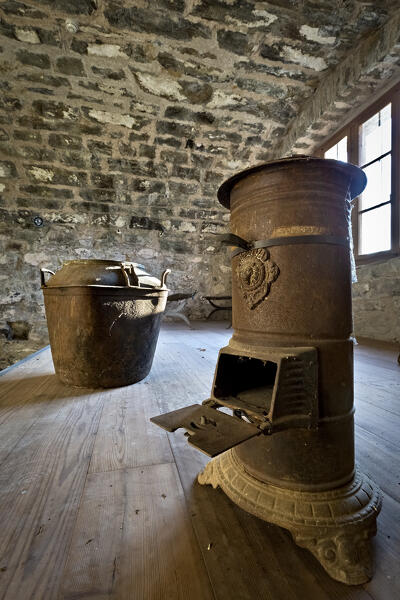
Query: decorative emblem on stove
256 273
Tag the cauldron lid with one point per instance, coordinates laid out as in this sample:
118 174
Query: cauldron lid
98 272
357 183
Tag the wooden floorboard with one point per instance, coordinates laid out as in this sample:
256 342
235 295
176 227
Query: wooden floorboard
126 437
41 484
133 539
96 502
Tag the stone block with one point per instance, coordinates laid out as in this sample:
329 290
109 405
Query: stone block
40 191
70 66
55 110
91 207
127 150
201 160
109 73
112 118
49 37
35 153
181 113
196 92
75 159
158 85
99 148
55 175
9 103
168 141
7 169
180 189
233 41
103 180
212 227
79 46
41 61
105 50
44 79
98 195
224 136
74 7
6 29
150 21
19 9
4 136
61 140
141 169
147 185
138 137
174 157
39 90
138 222
27 35
175 129
147 151
185 172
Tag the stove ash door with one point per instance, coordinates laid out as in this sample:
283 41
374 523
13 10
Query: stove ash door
273 391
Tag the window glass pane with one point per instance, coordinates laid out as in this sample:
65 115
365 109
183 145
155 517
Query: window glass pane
376 135
378 188
338 151
342 149
375 230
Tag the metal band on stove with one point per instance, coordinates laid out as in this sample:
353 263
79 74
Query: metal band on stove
287 241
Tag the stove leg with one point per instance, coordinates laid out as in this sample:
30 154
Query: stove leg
336 525
344 553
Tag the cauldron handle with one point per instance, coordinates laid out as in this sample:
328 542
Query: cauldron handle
42 279
128 266
164 277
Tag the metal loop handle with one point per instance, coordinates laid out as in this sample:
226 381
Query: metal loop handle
42 279
128 269
164 277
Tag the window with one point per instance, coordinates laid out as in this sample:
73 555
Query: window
338 151
372 141
374 210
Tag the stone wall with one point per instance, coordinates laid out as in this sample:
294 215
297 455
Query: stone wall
120 118
376 301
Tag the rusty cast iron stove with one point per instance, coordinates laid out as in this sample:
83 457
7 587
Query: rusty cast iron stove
286 454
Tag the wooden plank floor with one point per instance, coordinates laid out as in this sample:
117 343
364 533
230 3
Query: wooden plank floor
96 502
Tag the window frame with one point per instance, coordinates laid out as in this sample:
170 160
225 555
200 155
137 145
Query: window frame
352 130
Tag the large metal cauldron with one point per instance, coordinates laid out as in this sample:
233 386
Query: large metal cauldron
287 456
103 318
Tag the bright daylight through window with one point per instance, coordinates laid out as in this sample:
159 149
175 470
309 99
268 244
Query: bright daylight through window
370 141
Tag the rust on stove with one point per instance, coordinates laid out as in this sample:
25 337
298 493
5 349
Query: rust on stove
288 368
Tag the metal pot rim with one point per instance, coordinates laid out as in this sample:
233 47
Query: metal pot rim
357 183
80 261
112 289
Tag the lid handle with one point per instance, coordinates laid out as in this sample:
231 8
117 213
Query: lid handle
128 271
42 278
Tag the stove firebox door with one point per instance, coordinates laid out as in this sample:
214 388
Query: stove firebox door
267 393
277 389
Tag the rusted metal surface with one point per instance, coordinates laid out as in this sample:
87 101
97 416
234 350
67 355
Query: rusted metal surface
199 420
103 319
308 304
275 389
288 368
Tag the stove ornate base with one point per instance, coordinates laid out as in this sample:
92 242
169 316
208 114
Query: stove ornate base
335 525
